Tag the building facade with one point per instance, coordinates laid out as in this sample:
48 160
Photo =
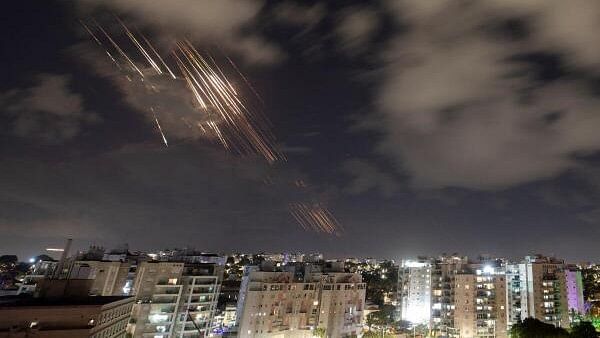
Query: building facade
89 317
284 304
574 289
341 303
414 291
444 270
175 299
484 298
109 278
538 289
480 303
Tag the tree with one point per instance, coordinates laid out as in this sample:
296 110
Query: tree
583 329
44 257
8 272
374 334
533 328
421 330
384 317
381 281
8 259
320 332
591 283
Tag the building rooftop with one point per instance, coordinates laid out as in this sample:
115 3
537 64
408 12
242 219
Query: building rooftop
14 301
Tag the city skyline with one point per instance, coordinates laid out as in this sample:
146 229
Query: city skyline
378 129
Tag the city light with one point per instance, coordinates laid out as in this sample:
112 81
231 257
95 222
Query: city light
488 269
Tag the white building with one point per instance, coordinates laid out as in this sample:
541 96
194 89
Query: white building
175 299
414 289
279 304
341 303
109 278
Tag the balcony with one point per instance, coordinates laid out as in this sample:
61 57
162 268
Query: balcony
167 293
163 308
169 301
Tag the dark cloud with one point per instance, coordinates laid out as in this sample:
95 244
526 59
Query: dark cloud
48 111
289 12
366 176
147 196
289 149
465 97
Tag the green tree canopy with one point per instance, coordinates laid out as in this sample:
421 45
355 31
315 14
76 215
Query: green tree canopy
583 329
383 317
533 328
375 334
320 332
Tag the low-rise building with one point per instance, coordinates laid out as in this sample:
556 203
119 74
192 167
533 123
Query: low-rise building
109 278
89 317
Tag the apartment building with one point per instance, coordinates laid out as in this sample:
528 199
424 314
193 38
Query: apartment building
486 297
414 291
62 308
480 302
444 270
341 303
574 290
275 305
109 278
538 288
289 305
175 299
89 317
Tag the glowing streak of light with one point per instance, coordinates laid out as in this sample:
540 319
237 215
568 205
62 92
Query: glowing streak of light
140 48
315 217
90 32
158 56
116 46
245 80
238 127
224 114
159 127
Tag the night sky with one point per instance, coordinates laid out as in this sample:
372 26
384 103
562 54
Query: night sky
425 127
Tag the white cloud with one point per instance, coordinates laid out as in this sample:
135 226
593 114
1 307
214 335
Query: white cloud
355 27
223 22
48 110
456 112
568 26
